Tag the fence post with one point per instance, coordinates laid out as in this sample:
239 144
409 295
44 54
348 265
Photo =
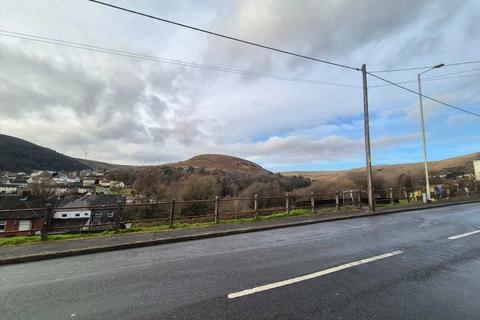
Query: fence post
287 203
117 216
172 212
337 200
390 195
46 221
255 205
447 191
405 194
312 201
217 220
359 197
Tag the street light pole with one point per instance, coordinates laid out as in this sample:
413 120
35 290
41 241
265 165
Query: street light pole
422 120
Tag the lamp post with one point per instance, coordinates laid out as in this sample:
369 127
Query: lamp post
419 77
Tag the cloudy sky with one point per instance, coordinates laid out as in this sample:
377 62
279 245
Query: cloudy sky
138 111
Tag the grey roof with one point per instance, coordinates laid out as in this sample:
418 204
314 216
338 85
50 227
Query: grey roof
15 202
95 200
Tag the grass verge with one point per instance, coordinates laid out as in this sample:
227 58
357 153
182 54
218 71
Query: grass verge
19 240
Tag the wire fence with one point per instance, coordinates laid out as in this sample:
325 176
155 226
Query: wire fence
49 220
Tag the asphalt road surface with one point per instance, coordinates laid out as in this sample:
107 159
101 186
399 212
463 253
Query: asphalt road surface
415 265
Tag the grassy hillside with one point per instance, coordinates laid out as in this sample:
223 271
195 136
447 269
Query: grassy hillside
103 165
220 162
20 155
391 175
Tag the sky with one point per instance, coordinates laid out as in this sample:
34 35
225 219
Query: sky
126 110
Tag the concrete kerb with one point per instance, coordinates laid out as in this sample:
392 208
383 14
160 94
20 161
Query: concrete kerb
138 244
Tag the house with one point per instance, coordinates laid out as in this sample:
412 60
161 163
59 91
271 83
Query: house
117 184
90 181
476 168
25 218
86 212
9 189
105 183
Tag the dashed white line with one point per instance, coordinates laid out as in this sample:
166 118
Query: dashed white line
463 235
311 275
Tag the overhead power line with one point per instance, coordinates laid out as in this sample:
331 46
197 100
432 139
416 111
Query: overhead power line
424 96
88 47
453 73
225 36
425 67
427 79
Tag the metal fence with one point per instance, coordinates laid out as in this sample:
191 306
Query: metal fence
169 213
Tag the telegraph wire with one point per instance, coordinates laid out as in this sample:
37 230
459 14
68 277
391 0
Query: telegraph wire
427 79
425 67
424 96
224 36
88 47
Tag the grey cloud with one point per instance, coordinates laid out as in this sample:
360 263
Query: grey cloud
29 83
109 106
318 28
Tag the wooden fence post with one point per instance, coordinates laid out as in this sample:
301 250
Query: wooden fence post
118 215
46 222
172 213
217 220
312 201
390 195
405 194
359 197
255 205
337 200
287 203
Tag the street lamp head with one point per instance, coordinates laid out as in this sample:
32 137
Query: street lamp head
439 66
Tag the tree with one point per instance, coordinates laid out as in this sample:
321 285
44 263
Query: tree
148 185
198 187
43 189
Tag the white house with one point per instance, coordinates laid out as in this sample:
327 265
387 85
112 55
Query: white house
476 166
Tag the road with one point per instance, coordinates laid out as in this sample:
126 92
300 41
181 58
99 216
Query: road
399 266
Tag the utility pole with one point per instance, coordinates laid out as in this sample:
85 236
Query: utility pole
425 163
422 120
371 198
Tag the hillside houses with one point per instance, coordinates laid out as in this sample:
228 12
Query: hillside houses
25 215
59 183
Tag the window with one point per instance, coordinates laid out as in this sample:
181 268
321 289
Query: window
98 214
24 225
64 215
110 214
77 214
86 214
3 224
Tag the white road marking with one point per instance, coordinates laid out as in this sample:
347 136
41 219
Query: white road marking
463 235
311 275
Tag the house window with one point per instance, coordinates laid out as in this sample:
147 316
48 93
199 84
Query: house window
86 214
24 225
110 214
64 215
77 214
3 225
98 214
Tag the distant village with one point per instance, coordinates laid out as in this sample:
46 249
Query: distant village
84 198
84 182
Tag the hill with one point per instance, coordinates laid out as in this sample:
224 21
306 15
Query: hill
20 155
103 165
392 175
220 162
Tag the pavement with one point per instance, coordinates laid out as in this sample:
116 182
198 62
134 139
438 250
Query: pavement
73 247
421 264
